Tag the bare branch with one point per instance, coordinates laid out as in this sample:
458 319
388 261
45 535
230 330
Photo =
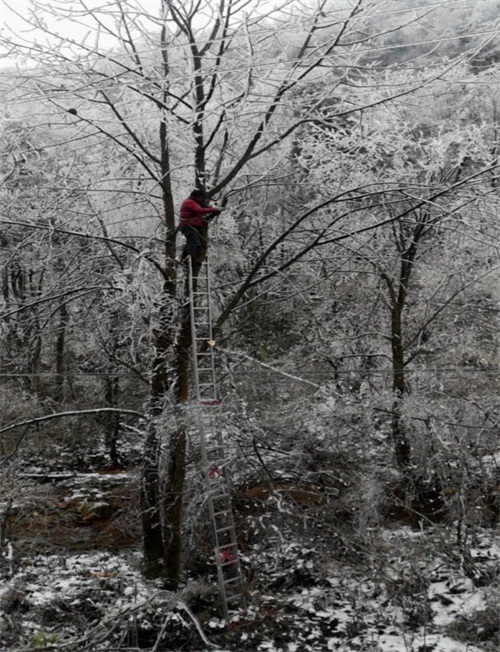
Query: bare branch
72 413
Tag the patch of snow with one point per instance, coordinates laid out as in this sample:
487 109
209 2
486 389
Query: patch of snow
491 462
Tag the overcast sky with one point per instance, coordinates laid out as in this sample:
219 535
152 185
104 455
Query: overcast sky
12 10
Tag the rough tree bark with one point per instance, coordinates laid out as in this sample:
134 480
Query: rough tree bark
155 554
398 293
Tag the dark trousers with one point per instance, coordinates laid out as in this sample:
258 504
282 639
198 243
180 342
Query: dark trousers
196 242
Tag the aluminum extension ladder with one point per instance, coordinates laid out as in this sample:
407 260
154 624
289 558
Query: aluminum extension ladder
216 475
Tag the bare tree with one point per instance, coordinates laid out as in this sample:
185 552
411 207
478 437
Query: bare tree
205 95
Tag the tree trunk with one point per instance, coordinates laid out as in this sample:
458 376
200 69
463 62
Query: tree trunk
111 392
160 550
402 448
61 351
174 485
150 504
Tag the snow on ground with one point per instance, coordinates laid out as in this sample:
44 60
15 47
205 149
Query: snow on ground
412 606
412 591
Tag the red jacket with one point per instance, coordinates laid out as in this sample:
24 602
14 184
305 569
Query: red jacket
192 213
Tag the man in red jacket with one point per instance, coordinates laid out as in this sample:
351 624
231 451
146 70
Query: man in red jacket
195 215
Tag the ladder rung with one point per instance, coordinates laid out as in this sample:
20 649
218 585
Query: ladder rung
216 477
226 512
216 460
221 496
226 529
214 470
234 596
216 464
232 580
228 563
227 507
223 493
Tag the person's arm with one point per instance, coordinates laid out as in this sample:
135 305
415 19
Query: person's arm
195 208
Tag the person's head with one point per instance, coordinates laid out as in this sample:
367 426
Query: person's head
199 195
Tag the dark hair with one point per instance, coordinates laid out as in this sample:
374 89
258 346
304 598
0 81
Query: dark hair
199 193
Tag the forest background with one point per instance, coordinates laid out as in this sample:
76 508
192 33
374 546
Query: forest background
355 268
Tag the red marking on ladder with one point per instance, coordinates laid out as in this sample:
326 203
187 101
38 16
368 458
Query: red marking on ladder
226 554
215 401
214 472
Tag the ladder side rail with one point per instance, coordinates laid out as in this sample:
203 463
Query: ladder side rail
194 352
208 294
208 288
215 473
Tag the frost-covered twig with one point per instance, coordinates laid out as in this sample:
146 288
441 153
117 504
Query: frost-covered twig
71 413
184 607
101 633
180 604
267 366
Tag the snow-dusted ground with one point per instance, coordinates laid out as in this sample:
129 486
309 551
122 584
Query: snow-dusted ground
409 601
384 590
410 604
